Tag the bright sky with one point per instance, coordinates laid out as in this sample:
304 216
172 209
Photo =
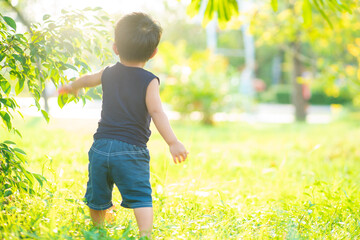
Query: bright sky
53 7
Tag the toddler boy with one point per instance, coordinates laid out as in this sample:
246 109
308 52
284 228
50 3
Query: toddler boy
130 100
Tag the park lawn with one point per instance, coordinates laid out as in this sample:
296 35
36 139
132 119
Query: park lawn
242 181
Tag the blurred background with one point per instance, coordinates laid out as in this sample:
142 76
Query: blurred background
261 66
264 94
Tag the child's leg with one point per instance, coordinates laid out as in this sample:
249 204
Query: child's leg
144 219
100 216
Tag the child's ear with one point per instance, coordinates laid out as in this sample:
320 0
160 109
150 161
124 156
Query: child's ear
115 49
154 53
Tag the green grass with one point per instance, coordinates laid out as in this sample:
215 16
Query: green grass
241 181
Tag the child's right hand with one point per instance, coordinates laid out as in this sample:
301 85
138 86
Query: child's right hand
66 89
178 152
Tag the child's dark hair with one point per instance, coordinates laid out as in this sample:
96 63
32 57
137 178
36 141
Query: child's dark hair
136 37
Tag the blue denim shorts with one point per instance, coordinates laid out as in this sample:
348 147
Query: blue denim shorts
125 165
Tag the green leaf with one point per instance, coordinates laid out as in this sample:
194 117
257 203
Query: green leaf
6 118
274 5
10 22
19 58
193 8
209 12
2 56
17 132
29 176
9 142
19 86
69 47
20 156
70 66
46 17
83 100
105 18
62 100
21 115
81 210
5 86
11 63
39 178
37 104
8 193
323 13
307 16
8 102
36 94
18 150
221 12
52 26
83 64
7 186
97 51
226 9
45 115
18 49
345 7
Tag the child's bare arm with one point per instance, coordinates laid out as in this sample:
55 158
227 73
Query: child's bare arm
154 106
85 81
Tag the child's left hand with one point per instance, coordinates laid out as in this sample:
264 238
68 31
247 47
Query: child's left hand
178 152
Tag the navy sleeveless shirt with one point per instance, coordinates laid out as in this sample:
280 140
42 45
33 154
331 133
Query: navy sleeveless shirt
124 115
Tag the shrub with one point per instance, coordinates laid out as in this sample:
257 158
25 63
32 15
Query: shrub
276 94
319 97
282 94
31 59
197 83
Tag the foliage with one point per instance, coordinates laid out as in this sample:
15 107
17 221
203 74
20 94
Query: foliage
198 83
13 176
353 71
282 94
47 53
326 9
343 97
224 10
331 70
242 181
276 94
293 33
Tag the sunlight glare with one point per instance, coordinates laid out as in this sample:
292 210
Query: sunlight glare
54 7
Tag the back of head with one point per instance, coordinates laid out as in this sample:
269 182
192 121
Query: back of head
136 37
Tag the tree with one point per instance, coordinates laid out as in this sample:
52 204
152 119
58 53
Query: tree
32 58
27 23
225 9
301 45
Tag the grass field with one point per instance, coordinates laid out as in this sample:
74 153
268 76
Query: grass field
241 181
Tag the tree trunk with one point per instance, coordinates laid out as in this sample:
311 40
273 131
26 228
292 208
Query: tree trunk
297 88
276 69
46 98
248 74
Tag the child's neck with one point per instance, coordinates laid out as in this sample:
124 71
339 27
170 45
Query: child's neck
133 64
